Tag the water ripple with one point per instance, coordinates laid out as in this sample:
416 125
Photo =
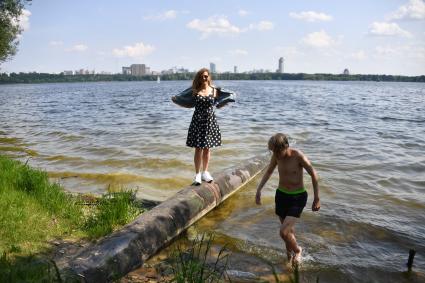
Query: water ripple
365 139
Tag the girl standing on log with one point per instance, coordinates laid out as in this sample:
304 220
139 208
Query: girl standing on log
203 132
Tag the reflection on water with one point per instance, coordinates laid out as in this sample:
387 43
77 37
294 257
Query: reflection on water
365 139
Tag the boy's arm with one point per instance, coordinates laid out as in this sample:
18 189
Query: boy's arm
266 176
305 163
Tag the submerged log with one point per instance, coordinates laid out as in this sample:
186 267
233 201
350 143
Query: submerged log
126 249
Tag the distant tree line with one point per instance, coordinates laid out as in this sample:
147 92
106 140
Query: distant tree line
55 78
317 77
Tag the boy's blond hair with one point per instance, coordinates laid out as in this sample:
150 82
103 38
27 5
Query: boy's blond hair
278 143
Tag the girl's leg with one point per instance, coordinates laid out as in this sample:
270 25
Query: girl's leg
198 159
206 176
206 154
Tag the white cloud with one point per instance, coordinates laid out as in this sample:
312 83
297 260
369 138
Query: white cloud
310 16
243 13
262 26
414 10
319 39
78 48
55 43
214 25
24 20
238 52
167 15
138 50
359 55
387 29
220 25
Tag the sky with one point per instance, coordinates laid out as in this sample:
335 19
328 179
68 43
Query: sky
313 36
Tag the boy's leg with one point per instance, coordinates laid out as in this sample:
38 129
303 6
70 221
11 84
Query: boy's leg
288 248
288 235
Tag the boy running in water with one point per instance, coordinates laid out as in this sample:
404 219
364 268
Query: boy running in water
291 196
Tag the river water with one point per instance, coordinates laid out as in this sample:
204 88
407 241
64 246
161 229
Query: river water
366 140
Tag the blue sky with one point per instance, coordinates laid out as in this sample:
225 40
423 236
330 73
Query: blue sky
368 37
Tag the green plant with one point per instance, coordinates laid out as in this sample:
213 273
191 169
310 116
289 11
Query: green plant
34 212
193 265
28 199
295 277
10 11
28 269
112 210
276 277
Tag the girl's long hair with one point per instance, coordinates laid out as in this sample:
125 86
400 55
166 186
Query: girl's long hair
198 81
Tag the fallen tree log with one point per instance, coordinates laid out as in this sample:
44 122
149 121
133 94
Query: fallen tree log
123 251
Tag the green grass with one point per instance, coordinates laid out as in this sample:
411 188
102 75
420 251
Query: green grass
192 266
113 209
28 269
35 211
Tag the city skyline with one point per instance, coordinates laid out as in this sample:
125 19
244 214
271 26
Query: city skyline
140 69
326 36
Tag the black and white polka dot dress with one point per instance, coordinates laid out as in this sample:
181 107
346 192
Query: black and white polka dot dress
203 130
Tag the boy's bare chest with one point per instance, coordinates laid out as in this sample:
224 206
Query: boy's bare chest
289 167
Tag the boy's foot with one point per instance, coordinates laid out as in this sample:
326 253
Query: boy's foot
290 261
297 257
289 255
197 180
206 176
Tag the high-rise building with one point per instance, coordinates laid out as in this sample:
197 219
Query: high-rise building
138 69
280 69
126 70
235 69
212 68
79 72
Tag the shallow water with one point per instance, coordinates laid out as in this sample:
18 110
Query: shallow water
365 139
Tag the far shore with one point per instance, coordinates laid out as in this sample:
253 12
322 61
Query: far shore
31 78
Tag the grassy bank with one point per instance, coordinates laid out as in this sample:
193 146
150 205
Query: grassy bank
36 214
35 211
